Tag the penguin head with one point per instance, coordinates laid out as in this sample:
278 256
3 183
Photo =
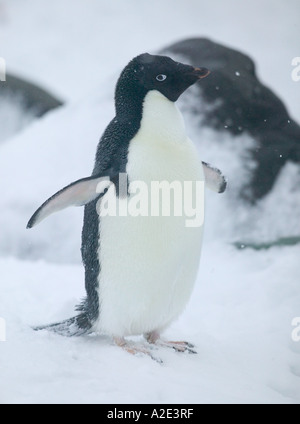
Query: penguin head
163 74
148 72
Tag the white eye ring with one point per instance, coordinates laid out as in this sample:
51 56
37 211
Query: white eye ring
161 77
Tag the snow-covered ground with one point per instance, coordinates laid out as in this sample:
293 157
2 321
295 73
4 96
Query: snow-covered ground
244 301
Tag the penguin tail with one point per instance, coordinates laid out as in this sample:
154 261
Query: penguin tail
72 327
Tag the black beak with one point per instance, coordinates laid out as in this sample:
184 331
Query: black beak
201 72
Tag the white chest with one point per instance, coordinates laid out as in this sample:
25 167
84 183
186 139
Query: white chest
149 263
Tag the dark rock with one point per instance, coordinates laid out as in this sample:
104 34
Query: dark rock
30 96
241 103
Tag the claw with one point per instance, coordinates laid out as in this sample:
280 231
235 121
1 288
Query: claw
153 338
180 346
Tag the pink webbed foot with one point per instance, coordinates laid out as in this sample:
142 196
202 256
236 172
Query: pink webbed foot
154 338
134 349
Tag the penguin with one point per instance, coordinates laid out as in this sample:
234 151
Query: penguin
139 269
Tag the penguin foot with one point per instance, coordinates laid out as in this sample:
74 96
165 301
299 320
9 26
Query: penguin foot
154 338
135 349
179 346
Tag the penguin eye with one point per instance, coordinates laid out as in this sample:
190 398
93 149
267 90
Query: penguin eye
161 77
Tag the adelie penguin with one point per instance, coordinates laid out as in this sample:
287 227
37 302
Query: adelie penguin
139 270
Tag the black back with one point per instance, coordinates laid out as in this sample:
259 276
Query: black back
111 156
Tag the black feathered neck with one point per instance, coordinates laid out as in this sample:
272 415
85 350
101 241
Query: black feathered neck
130 94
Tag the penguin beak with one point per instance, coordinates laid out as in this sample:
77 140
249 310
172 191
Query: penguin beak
201 72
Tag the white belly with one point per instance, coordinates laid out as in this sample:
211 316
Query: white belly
149 263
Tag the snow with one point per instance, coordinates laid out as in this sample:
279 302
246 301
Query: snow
240 315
